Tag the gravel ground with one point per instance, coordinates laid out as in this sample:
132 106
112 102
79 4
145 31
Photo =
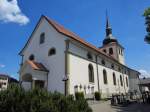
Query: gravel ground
106 107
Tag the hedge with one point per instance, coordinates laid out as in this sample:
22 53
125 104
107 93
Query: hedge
79 95
16 99
97 96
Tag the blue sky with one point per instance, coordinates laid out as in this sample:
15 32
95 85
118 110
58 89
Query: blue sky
84 17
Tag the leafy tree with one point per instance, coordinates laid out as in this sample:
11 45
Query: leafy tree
147 23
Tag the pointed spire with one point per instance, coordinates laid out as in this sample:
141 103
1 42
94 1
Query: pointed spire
108 27
109 38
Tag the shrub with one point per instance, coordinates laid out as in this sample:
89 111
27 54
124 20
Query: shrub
15 99
97 96
79 95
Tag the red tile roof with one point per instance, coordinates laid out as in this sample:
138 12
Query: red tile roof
70 34
37 66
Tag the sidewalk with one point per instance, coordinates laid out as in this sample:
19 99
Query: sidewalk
105 106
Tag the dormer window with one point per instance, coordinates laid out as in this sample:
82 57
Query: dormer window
42 38
51 52
31 57
89 56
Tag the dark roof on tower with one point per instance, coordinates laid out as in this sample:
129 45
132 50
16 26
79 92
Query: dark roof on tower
109 38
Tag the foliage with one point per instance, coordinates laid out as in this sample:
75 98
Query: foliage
97 95
146 12
79 95
147 23
16 99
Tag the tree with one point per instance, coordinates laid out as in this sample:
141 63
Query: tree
147 23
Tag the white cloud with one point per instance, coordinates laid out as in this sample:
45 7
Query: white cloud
2 66
10 12
144 73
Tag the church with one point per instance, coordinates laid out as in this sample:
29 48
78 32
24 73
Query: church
56 59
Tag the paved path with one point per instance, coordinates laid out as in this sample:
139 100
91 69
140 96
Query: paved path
106 107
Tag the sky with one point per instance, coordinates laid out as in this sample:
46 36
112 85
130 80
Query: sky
86 18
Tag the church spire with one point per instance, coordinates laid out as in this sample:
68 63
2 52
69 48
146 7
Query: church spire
109 38
108 27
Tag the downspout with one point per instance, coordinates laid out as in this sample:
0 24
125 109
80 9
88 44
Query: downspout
67 72
97 73
124 81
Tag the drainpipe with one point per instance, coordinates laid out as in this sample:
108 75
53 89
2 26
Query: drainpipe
67 72
124 80
97 73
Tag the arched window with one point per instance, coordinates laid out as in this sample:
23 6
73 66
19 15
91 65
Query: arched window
121 81
110 51
114 78
105 76
91 73
89 56
31 57
42 38
103 62
127 82
52 51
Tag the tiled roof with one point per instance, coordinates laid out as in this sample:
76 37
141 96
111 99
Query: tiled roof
37 66
70 34
73 36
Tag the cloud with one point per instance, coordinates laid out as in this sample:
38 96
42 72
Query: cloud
2 66
144 73
10 12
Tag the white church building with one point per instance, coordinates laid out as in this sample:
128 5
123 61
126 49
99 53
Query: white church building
56 59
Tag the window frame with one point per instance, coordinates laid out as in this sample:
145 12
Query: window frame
111 52
105 80
42 38
52 51
121 80
114 79
91 73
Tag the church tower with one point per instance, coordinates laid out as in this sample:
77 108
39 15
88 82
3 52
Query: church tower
111 45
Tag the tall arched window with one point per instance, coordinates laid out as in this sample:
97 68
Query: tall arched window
110 51
127 82
91 73
42 38
31 57
121 81
52 51
114 78
105 76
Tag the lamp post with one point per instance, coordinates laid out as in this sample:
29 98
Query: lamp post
65 79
